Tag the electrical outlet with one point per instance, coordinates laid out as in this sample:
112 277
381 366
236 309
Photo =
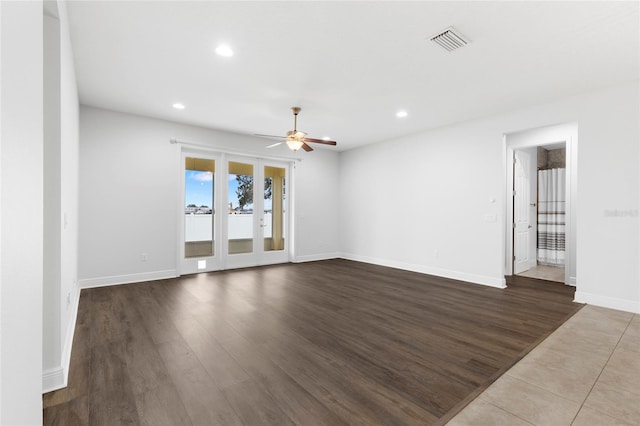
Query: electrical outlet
68 299
144 257
436 254
490 218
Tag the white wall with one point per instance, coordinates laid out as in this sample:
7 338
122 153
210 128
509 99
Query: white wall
60 289
51 318
69 147
317 210
607 253
450 175
21 216
444 182
127 164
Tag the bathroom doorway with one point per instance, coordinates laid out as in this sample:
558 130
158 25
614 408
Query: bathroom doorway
540 236
547 205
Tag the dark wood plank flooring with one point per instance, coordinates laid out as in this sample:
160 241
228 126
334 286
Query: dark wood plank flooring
332 342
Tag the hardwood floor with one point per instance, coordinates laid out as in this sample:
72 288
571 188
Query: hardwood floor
332 342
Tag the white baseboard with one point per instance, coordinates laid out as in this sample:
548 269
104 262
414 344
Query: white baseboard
445 273
315 257
127 279
573 281
607 302
53 379
71 330
57 377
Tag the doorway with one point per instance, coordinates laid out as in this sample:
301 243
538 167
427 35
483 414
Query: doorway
540 217
234 212
539 208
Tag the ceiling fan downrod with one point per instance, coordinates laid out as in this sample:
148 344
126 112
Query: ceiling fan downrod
295 110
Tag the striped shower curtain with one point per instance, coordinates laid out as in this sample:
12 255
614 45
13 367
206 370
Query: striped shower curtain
551 217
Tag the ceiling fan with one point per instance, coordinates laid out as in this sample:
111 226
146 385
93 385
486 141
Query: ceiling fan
295 139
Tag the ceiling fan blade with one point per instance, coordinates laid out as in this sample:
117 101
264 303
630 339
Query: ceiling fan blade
295 138
320 141
270 136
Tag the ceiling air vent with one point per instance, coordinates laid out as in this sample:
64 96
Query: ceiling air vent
450 39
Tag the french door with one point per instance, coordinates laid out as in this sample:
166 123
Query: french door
199 222
236 212
257 219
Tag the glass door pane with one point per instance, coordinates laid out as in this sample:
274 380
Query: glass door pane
240 216
199 207
273 220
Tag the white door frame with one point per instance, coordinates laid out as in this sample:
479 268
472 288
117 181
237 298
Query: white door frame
213 263
241 260
284 255
567 133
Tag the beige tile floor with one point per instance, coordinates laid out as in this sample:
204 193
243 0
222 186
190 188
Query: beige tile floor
543 272
586 373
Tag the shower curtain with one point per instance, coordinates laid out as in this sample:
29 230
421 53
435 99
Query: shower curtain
551 217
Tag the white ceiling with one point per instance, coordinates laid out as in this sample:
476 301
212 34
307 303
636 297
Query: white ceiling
349 65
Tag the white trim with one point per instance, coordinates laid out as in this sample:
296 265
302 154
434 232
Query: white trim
54 378
58 377
607 302
315 257
541 136
445 273
189 265
275 256
71 329
127 279
220 150
291 204
507 249
573 281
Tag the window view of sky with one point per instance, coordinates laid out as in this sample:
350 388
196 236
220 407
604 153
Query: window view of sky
199 190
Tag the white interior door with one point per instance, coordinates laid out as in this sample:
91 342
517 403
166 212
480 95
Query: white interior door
521 212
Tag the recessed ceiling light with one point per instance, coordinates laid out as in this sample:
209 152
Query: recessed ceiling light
401 114
224 50
178 106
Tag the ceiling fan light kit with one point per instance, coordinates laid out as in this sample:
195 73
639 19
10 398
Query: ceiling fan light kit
294 145
296 139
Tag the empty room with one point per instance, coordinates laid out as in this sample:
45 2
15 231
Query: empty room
358 212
